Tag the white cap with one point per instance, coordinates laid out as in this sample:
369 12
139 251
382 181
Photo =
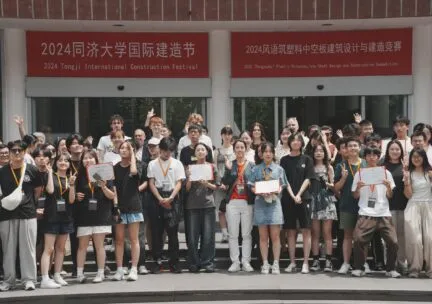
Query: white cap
154 141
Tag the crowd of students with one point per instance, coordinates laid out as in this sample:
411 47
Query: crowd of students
321 195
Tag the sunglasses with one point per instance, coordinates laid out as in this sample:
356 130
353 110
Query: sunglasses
16 150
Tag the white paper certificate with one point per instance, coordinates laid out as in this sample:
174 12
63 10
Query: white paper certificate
201 172
372 176
264 187
100 172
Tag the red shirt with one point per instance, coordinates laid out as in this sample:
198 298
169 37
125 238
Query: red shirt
240 181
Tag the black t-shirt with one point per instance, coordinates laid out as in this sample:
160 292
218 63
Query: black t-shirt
187 156
32 180
127 189
297 169
102 216
51 215
75 164
398 201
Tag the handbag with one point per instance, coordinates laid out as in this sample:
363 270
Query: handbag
322 198
13 200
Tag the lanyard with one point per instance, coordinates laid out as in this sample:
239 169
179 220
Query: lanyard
15 177
60 185
351 169
91 188
164 171
240 172
73 167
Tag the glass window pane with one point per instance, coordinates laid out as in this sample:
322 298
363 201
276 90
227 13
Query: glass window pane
178 110
382 110
335 111
95 114
259 109
54 116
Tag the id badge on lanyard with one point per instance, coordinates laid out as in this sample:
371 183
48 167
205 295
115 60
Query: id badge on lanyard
61 205
240 189
41 202
92 204
372 197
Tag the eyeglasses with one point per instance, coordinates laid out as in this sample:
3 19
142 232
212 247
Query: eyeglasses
16 150
4 153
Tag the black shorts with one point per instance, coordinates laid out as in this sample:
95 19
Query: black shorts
59 228
297 215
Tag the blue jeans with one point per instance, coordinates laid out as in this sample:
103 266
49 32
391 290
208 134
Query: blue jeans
201 229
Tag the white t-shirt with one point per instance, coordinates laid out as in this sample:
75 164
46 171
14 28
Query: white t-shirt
381 208
105 143
175 173
250 155
111 157
429 154
185 141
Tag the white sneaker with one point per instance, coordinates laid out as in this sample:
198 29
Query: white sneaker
305 268
5 287
358 273
63 273
291 268
143 270
344 268
265 268
235 267
275 268
119 275
59 280
224 239
99 278
367 269
29 285
248 267
133 275
393 274
81 279
125 271
49 284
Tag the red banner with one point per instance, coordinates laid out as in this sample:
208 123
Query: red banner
143 55
318 54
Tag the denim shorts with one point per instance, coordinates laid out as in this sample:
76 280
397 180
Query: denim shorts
59 228
130 218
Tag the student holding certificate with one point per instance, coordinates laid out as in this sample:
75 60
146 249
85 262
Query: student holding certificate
374 214
200 214
268 210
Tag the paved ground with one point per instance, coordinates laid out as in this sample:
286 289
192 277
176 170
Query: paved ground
235 287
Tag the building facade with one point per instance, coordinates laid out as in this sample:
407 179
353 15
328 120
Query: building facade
67 65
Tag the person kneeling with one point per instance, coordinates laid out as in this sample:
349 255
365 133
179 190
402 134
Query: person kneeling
374 215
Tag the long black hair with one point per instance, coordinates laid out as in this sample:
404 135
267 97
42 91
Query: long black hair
326 161
387 153
426 166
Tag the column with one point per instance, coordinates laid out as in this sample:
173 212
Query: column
220 112
420 101
13 75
